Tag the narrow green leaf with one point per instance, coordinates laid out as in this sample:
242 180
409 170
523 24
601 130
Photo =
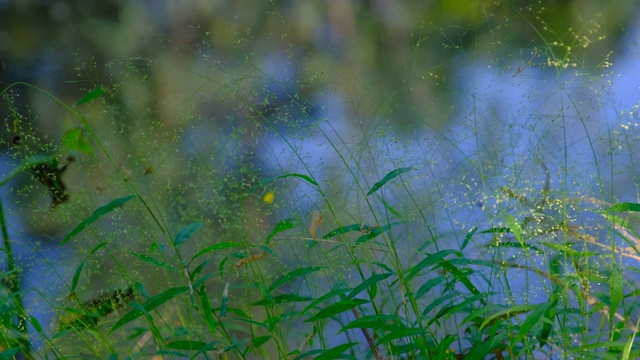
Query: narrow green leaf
342 230
625 206
532 319
616 287
401 333
335 352
467 238
372 280
280 227
76 277
496 230
98 247
36 324
261 340
186 232
150 260
462 277
292 275
329 295
282 299
149 305
207 312
515 227
430 284
97 214
377 231
508 313
437 301
430 260
479 351
336 308
29 163
91 95
9 354
216 247
268 180
187 345
391 175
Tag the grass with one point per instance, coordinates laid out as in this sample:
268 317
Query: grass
183 249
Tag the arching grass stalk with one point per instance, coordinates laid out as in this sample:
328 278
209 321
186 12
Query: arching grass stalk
12 281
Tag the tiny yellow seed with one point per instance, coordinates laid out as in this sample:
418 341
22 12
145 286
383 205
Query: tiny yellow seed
269 197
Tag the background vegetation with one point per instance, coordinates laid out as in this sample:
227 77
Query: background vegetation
445 179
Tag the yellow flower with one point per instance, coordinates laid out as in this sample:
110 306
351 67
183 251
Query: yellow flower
269 197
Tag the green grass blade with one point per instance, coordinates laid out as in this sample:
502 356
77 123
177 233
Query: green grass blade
430 260
151 260
534 318
26 165
329 295
186 232
188 345
216 247
468 237
390 176
616 285
335 352
280 227
292 275
508 313
377 231
207 312
515 227
97 214
372 280
336 308
282 299
625 206
149 305
343 230
93 94
430 284
76 277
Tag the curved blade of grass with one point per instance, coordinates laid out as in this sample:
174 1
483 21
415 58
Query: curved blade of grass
93 94
280 227
372 280
377 231
625 206
430 284
532 319
467 238
515 227
186 232
430 260
390 176
336 308
508 313
282 299
207 312
150 260
292 275
329 295
462 277
76 277
335 352
271 179
215 247
188 345
150 304
375 322
26 165
342 230
616 287
401 333
97 214
496 230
